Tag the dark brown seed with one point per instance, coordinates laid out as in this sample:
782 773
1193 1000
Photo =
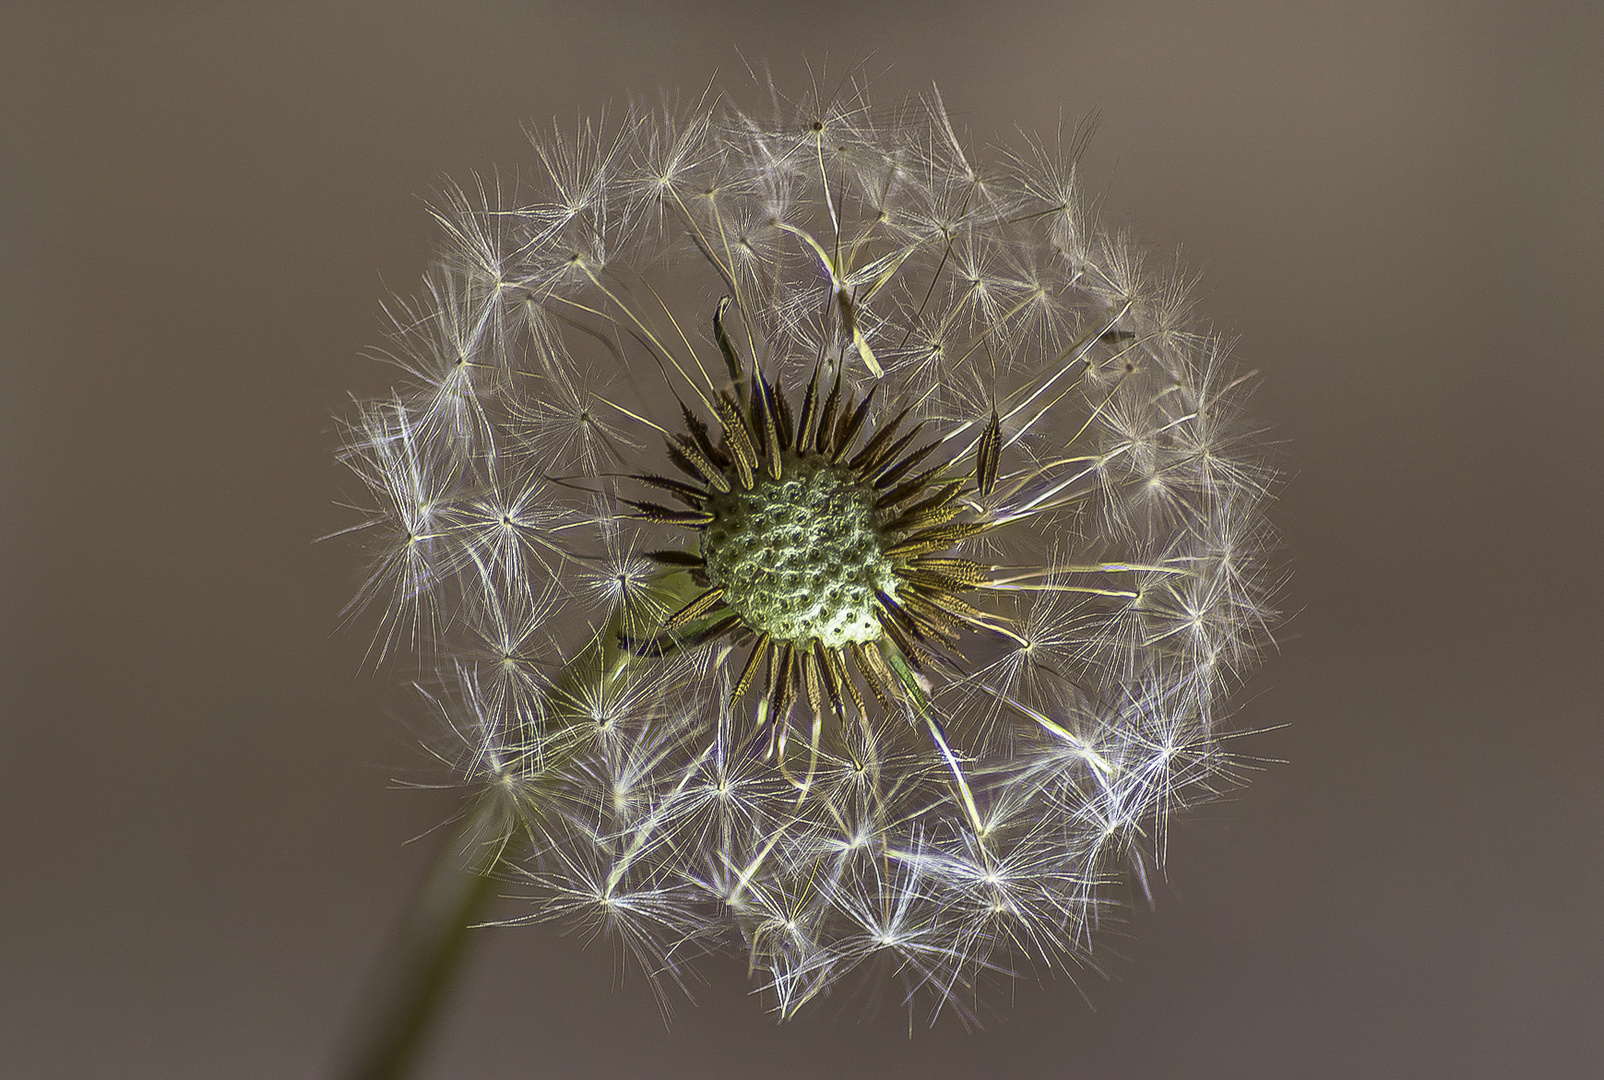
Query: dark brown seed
988 455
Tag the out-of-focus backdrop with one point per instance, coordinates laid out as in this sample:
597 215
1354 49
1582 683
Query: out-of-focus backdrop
1398 212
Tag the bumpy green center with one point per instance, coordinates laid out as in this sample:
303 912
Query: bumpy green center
799 558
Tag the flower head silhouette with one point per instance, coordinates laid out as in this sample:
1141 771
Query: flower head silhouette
819 545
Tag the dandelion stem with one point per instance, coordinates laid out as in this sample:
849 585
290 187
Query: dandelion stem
403 991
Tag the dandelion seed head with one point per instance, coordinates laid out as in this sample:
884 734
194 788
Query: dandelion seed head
831 547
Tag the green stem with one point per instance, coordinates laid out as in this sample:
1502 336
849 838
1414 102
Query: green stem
404 990
407 987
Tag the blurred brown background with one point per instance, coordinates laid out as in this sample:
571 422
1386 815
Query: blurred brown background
1398 210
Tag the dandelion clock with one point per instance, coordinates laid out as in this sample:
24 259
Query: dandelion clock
819 545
